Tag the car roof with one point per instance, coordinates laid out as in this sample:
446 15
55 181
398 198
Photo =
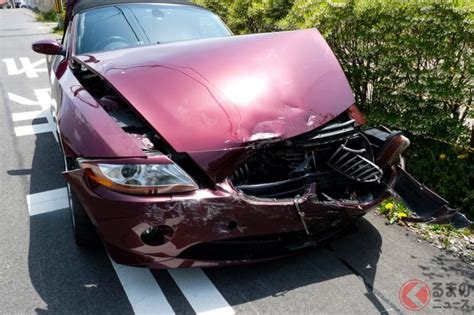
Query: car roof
81 5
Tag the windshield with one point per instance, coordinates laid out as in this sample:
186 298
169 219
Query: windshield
130 25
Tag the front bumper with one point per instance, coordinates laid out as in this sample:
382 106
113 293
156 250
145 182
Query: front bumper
257 229
225 226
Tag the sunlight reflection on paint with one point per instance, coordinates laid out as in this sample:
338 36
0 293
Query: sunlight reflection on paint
245 89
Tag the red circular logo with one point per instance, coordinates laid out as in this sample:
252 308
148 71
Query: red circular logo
414 295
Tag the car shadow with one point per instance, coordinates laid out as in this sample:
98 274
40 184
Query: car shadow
67 278
327 262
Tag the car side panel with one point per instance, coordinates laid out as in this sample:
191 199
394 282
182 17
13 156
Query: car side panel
85 128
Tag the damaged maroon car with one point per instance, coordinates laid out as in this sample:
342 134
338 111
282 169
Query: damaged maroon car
186 146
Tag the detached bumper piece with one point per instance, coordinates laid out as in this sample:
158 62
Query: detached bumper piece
427 205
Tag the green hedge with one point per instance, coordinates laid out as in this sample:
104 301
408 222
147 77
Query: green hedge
446 169
410 64
248 16
50 16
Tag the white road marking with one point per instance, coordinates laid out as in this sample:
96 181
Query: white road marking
200 292
47 201
143 292
32 129
43 99
29 115
30 69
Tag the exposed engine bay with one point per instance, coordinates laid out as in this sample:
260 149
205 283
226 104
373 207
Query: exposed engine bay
337 161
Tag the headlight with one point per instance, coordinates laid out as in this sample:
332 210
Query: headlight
140 178
354 113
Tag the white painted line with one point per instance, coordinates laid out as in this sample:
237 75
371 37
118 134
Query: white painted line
200 292
143 292
44 100
29 115
32 129
27 67
47 201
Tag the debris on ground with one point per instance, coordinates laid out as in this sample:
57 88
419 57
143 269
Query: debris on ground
457 242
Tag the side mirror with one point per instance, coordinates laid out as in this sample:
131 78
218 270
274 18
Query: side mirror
48 47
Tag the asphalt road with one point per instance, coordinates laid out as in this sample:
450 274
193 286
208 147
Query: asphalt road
41 270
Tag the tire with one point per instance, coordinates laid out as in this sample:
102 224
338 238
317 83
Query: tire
84 232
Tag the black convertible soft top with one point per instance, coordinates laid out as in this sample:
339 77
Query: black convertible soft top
81 5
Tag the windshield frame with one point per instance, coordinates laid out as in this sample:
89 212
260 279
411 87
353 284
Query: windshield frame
76 24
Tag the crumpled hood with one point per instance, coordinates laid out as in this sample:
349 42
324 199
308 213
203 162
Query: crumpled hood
224 93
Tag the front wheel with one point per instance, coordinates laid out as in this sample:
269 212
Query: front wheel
82 227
